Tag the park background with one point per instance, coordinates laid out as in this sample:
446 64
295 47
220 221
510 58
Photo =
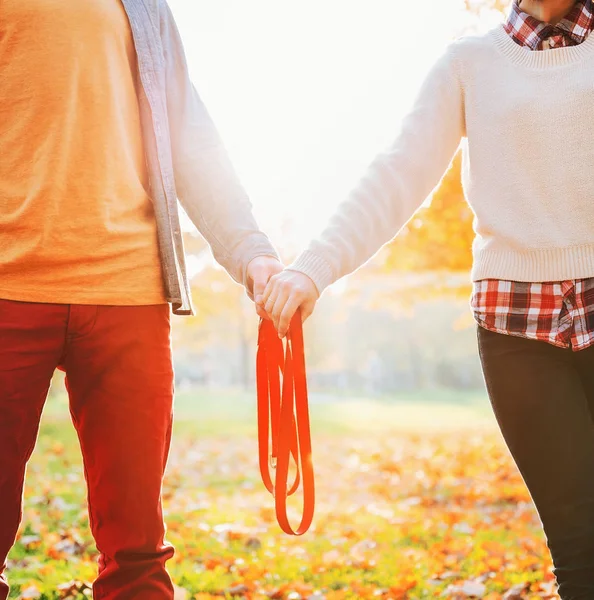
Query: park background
417 496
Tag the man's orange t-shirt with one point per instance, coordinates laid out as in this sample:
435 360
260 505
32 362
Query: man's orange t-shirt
76 222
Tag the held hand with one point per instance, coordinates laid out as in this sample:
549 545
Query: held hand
284 294
259 272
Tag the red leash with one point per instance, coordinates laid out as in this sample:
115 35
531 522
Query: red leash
283 420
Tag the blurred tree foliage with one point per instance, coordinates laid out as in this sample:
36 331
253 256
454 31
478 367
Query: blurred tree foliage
439 236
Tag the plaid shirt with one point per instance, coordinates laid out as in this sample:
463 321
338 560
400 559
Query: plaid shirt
562 312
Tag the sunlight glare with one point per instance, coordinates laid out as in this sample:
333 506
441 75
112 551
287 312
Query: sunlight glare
305 94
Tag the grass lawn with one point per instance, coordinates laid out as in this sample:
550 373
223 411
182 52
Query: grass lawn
416 497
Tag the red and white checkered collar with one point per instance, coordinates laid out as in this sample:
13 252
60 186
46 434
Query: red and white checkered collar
529 31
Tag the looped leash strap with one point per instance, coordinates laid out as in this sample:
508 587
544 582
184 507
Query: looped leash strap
283 420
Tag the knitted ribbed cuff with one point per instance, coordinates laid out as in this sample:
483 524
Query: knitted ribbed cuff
315 267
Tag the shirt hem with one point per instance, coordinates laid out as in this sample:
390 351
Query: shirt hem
526 336
117 298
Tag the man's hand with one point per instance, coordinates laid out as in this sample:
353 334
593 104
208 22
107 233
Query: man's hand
259 272
284 294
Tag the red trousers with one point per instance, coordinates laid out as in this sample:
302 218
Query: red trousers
119 377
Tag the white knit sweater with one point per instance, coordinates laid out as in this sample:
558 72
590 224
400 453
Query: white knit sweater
533 205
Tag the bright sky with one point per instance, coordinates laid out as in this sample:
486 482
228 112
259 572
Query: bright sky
305 93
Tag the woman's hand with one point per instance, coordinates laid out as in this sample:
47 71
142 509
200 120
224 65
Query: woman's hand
285 293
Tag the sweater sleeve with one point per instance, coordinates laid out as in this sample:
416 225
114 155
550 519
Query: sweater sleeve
396 183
